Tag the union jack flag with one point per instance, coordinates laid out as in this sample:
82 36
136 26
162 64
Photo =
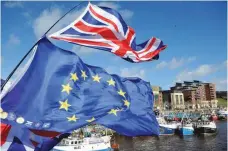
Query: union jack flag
23 139
103 28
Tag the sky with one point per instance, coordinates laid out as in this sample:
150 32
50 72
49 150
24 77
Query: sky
195 33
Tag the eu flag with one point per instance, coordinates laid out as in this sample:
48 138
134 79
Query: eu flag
59 93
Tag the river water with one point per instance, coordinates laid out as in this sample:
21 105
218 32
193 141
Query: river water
216 142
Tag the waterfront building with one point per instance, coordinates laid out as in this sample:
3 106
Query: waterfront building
173 99
211 94
157 96
197 94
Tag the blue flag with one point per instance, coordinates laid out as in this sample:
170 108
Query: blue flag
16 145
59 93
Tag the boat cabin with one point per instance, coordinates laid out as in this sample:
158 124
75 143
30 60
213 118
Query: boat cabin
72 142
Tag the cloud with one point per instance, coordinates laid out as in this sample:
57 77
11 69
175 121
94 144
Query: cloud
26 14
83 50
190 59
46 19
127 72
161 65
49 16
132 72
220 84
12 4
125 13
111 70
13 40
223 81
204 70
175 63
200 71
225 63
110 5
29 17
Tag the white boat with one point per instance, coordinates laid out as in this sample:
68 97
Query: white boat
223 111
165 127
205 127
93 143
91 138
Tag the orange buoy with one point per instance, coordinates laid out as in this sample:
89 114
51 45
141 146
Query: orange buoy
115 146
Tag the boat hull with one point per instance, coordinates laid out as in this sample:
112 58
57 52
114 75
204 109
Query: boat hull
222 117
166 130
186 131
71 148
206 130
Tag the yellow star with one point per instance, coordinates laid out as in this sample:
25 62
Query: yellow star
66 88
111 82
73 118
126 103
96 78
113 111
121 93
91 120
84 74
74 77
64 105
3 115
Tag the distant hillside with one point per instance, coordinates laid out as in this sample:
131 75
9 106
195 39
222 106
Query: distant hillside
222 102
221 94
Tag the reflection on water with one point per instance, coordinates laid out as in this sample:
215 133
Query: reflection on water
170 143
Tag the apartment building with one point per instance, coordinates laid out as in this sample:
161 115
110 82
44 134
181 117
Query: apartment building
197 94
210 91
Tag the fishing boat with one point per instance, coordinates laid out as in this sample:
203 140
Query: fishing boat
205 126
222 114
186 127
93 143
214 117
166 128
91 138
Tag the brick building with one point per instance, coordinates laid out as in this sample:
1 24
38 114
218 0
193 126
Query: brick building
197 94
210 91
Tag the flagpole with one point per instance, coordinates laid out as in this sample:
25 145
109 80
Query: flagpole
11 74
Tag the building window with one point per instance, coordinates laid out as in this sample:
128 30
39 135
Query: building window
172 99
177 100
181 101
